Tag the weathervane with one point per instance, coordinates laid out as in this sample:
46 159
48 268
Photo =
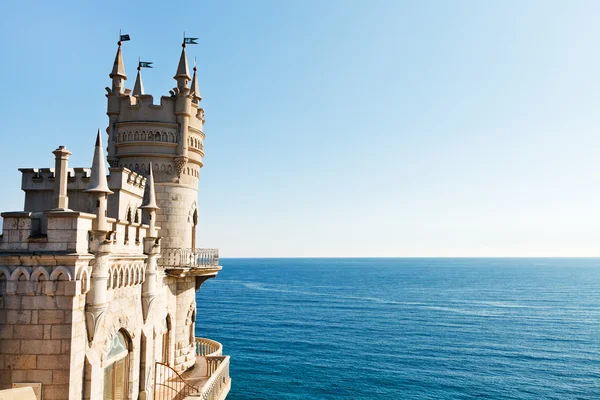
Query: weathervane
144 64
123 38
188 40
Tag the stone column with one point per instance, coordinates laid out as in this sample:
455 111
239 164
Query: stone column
152 249
96 298
60 201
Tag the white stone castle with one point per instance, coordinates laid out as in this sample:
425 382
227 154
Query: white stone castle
98 274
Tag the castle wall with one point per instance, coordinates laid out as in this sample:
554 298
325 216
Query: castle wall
175 216
39 322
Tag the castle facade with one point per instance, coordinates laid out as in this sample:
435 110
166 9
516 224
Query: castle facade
99 272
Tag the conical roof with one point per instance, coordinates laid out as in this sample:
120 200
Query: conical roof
98 183
182 68
118 66
150 195
138 88
195 89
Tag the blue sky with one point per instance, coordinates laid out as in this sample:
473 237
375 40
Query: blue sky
340 127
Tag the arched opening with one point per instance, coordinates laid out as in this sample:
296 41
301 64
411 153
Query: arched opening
116 371
194 225
192 328
143 373
166 341
2 283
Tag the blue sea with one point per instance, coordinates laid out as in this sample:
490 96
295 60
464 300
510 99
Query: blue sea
407 328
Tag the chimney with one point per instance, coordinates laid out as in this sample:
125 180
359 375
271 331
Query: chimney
60 201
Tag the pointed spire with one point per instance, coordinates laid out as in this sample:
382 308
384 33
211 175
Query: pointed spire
98 183
150 199
118 66
182 68
138 88
195 89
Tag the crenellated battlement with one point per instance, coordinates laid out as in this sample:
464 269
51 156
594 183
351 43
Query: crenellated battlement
43 178
142 108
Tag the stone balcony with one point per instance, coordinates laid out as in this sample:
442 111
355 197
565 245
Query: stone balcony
190 262
208 379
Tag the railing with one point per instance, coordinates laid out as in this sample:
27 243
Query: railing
208 348
190 258
169 385
219 378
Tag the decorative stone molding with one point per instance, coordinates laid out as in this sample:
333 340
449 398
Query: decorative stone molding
94 318
180 164
189 319
126 274
42 280
113 161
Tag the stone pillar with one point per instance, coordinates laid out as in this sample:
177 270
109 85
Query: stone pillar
96 298
152 249
100 223
60 201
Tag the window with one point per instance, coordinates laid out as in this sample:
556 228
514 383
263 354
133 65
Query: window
116 372
166 341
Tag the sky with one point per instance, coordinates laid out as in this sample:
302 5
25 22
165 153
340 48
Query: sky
339 128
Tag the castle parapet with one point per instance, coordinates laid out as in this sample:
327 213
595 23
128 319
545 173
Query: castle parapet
50 231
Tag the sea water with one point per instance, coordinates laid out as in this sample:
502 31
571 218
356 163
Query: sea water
406 328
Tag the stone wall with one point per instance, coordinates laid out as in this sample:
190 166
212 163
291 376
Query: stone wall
36 332
175 216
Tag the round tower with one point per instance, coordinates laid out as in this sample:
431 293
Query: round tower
166 137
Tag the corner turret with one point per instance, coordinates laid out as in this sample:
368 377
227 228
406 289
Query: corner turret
182 76
99 186
195 89
138 88
149 203
118 72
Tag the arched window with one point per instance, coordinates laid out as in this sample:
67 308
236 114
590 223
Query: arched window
166 341
194 224
192 330
116 378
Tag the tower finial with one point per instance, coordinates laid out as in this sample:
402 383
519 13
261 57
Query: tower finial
150 200
98 186
138 87
182 76
98 183
118 71
195 88
149 204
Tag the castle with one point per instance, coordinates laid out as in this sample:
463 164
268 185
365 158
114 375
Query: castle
98 273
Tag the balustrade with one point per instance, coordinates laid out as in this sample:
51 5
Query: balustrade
190 258
219 378
207 347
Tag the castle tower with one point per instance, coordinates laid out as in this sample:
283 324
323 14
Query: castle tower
167 136
95 307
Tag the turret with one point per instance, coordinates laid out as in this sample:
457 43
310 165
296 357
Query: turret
183 111
118 72
182 76
98 186
114 102
138 88
149 203
195 89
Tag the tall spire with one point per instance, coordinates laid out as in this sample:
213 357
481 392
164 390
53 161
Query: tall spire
138 88
195 89
182 76
150 200
118 71
98 183
118 66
